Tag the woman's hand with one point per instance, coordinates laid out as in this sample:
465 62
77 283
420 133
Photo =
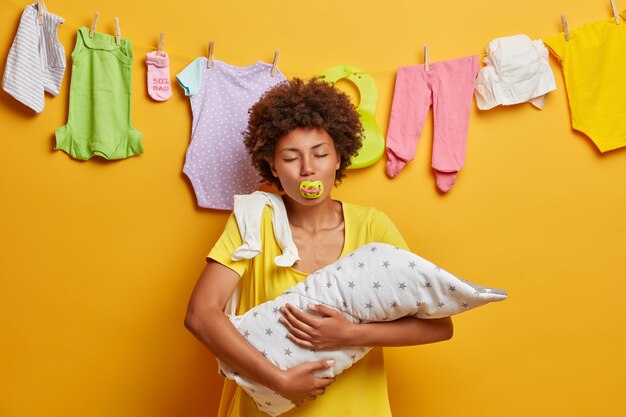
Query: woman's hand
328 332
333 331
299 384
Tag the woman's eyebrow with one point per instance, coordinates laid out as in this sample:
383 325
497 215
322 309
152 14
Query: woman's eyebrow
298 150
319 145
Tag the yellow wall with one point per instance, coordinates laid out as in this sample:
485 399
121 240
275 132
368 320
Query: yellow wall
97 258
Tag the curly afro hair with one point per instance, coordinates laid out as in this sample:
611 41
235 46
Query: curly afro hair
295 103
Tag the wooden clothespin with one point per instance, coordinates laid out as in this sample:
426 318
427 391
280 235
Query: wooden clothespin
275 62
615 14
209 62
40 9
118 35
161 41
93 25
565 29
426 58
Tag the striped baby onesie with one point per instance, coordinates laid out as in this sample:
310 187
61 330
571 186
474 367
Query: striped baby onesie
36 60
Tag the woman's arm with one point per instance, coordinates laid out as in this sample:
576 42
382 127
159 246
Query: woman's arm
406 331
333 331
206 320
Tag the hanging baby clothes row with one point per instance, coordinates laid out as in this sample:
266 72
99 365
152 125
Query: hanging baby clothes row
36 60
517 71
99 117
216 161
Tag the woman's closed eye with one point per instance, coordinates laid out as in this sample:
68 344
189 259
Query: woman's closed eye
294 158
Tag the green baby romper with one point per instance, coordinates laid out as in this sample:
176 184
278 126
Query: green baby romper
99 121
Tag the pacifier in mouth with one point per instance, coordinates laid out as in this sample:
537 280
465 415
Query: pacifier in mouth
311 189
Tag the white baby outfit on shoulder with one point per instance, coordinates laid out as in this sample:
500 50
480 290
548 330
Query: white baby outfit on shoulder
36 60
376 282
517 71
248 213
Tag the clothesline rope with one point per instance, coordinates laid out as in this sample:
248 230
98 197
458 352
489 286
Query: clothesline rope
186 58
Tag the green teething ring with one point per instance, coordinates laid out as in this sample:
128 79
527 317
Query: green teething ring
311 189
373 140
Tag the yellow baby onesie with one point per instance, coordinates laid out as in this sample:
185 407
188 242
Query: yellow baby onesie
593 62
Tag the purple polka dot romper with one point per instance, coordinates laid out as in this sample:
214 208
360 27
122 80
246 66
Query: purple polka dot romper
217 163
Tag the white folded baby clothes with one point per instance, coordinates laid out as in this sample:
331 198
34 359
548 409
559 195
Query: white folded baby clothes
517 71
376 282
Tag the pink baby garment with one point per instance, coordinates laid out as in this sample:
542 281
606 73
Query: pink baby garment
448 87
159 87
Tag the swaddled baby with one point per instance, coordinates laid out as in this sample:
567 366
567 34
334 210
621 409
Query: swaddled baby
376 282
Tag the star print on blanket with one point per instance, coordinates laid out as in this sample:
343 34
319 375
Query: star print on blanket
376 282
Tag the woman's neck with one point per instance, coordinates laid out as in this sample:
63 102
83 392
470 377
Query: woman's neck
326 215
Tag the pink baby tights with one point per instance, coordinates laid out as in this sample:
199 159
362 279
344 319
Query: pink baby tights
448 86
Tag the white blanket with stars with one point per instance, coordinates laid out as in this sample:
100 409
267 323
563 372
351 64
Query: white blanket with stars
376 282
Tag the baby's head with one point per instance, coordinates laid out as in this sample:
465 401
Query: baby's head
296 103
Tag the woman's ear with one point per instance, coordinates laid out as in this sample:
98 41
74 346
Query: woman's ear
274 172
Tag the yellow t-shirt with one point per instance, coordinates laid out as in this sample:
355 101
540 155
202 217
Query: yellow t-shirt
593 62
359 391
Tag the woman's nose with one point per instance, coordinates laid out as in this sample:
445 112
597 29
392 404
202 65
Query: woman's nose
307 167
